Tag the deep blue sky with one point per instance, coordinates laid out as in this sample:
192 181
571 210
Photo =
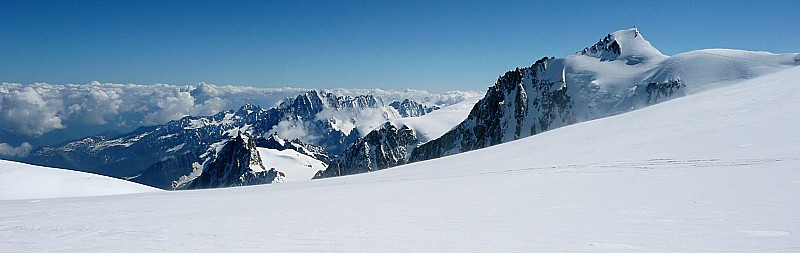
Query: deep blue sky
357 44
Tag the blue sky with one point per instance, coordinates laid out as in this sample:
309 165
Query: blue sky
435 45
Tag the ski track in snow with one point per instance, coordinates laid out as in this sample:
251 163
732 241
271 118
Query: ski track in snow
592 217
647 164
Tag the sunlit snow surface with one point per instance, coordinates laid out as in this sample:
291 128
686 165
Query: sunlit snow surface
293 164
24 181
712 172
434 124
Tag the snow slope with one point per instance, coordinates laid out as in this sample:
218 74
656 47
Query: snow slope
603 86
621 73
24 181
434 124
711 172
293 164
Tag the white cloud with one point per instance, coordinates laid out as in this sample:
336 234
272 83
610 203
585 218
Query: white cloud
346 119
93 107
426 97
180 103
35 109
169 107
10 151
293 129
369 119
204 92
24 111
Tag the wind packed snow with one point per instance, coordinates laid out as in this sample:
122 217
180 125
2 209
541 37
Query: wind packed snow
293 164
24 181
711 172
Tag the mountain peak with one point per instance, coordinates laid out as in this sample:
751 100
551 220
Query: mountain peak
628 45
274 138
248 108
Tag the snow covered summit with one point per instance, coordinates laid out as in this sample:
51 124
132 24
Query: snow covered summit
620 73
628 45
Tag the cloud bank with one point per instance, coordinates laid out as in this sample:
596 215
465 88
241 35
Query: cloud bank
23 150
28 111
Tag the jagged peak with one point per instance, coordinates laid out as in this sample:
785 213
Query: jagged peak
248 108
366 99
322 98
238 137
405 102
274 136
312 98
388 125
628 44
277 139
411 108
313 94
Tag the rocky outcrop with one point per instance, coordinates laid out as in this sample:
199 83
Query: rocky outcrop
273 141
408 108
380 149
237 163
522 102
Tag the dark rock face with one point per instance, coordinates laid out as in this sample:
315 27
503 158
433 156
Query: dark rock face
408 108
607 49
656 91
521 103
380 149
236 164
531 100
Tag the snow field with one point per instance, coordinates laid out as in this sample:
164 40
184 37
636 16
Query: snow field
712 172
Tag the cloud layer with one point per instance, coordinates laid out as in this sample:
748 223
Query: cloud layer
7 150
27 111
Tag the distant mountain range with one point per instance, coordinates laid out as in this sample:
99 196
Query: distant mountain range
620 73
160 156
